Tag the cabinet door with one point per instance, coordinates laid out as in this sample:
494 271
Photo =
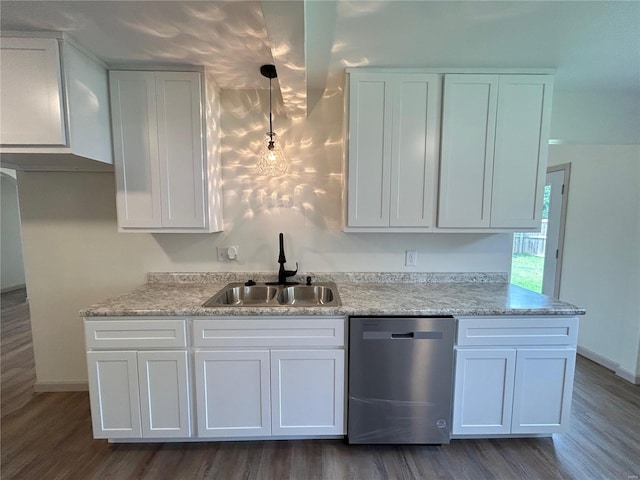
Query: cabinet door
307 392
468 130
483 391
414 150
31 92
369 169
180 149
543 390
164 394
135 142
113 392
520 158
233 393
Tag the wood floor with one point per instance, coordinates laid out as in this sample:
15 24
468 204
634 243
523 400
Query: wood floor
48 436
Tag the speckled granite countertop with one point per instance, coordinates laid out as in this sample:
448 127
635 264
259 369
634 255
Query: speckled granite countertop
397 294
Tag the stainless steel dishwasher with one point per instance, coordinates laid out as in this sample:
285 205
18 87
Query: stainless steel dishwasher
400 379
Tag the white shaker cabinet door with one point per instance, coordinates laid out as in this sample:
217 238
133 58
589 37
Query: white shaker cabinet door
113 392
520 159
414 150
483 391
180 149
468 129
135 141
307 392
164 394
31 92
543 390
233 393
370 101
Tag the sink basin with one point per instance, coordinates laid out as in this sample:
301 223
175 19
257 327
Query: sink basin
242 295
306 295
321 294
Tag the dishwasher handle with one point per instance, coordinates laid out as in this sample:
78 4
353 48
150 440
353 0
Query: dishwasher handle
386 335
402 335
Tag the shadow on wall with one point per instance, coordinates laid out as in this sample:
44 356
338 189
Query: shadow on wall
312 185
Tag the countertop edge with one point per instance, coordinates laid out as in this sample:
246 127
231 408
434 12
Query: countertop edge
324 312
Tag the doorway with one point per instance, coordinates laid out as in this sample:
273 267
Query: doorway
12 276
537 256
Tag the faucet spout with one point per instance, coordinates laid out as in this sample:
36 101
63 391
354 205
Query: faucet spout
281 258
283 273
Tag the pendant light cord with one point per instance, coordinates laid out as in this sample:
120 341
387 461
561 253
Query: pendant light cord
270 114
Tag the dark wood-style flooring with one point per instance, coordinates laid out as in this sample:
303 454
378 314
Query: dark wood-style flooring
48 436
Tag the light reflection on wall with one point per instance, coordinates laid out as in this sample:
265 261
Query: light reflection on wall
312 146
213 135
228 36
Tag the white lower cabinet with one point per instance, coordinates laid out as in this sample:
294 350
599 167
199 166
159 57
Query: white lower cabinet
139 383
251 393
164 394
232 393
483 390
269 376
251 377
307 392
114 394
542 390
139 394
513 376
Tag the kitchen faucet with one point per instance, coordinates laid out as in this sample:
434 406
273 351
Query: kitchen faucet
282 272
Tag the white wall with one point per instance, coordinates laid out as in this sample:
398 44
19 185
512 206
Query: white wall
11 258
601 266
75 256
596 118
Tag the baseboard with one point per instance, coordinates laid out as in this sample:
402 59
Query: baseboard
11 289
628 376
40 387
599 359
609 365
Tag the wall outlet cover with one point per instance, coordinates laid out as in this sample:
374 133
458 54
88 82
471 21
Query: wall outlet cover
411 258
227 254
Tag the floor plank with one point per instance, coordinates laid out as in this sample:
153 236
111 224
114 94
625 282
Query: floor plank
48 436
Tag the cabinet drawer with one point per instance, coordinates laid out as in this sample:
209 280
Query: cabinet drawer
133 333
268 332
513 331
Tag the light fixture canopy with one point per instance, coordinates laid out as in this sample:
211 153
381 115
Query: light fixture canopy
272 162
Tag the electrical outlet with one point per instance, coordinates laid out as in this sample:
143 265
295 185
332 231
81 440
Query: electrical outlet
411 258
227 254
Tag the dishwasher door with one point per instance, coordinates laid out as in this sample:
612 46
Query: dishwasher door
400 380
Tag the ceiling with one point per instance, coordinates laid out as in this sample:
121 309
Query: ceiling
593 45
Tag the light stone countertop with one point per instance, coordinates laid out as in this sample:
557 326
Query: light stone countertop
389 294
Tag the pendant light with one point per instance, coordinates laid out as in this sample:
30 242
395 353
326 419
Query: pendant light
272 162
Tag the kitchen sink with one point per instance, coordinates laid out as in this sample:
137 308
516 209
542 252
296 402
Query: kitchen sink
243 295
306 295
321 294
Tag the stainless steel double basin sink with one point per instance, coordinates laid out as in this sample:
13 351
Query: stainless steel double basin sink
321 294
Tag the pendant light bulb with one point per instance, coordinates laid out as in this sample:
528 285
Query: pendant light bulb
272 162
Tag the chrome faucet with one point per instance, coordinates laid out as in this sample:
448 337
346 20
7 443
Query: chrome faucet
283 274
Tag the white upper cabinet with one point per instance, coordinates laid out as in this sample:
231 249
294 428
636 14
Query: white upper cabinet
521 145
164 174
469 116
495 130
32 104
55 108
392 150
